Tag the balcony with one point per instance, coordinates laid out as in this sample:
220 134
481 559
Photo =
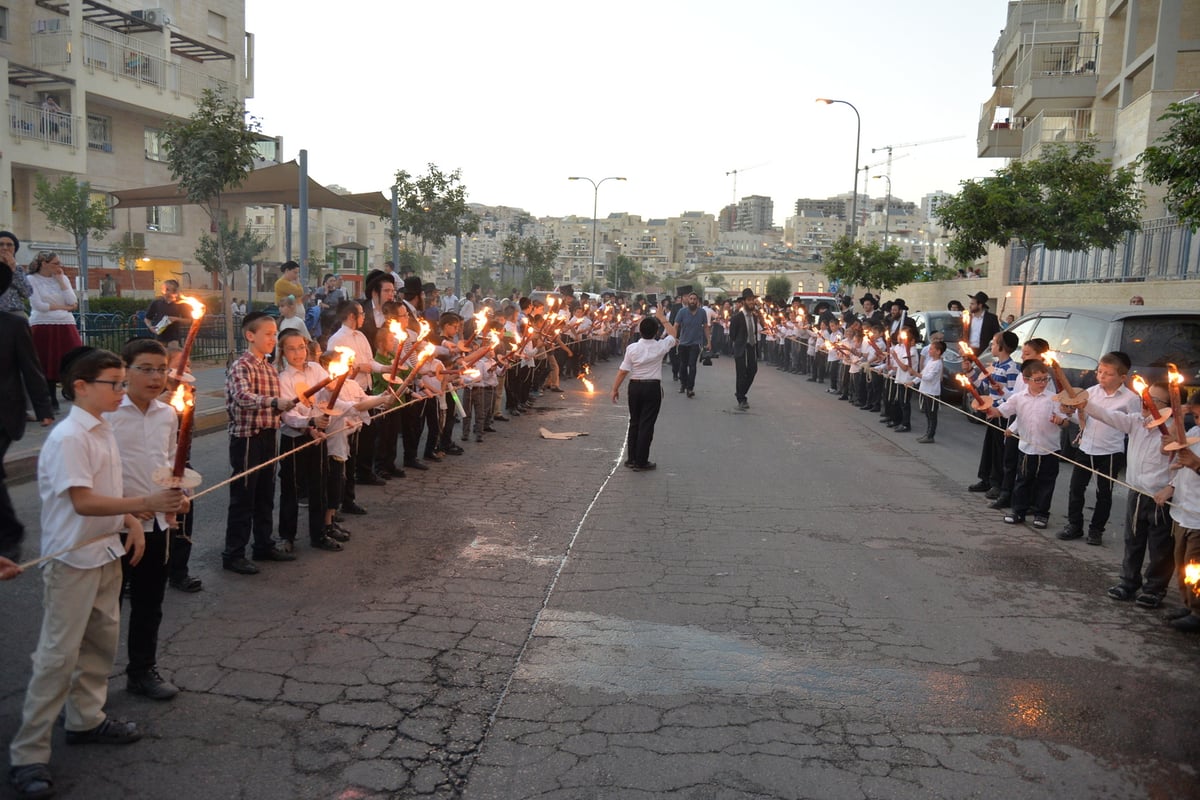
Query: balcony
1069 126
29 121
1028 23
1057 75
999 131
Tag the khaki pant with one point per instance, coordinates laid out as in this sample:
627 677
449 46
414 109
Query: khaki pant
81 622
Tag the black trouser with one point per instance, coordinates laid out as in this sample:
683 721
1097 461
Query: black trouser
1034 489
1011 457
386 439
433 425
412 417
645 400
181 546
745 368
903 405
251 497
449 421
145 585
875 387
991 458
688 355
929 405
1147 533
363 456
1110 465
335 484
11 529
300 476
835 371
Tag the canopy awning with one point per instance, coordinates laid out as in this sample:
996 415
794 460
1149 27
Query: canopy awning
278 184
348 246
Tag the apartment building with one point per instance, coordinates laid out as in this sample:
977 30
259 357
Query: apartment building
755 214
89 87
810 233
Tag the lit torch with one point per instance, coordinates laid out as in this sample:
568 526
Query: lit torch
1149 407
1191 576
186 406
397 330
980 403
583 377
970 356
339 368
197 315
1066 395
1181 440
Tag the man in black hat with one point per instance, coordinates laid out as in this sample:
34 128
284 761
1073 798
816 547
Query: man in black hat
744 329
20 374
984 324
871 313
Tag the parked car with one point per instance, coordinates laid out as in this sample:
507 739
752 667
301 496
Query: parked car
949 324
1151 337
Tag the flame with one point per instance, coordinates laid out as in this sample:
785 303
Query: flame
424 329
1049 359
481 320
904 335
965 349
966 320
197 307
829 345
963 380
426 353
471 374
341 365
551 301
397 330
180 400
494 338
1138 385
587 384
1191 574
1173 375
587 369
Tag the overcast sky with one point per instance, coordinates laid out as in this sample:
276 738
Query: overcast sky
669 94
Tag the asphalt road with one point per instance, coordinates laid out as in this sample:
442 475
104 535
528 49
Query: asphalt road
798 603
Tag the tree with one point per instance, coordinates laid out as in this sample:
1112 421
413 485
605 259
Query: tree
534 256
628 274
779 288
870 266
235 250
69 206
1174 160
432 207
1066 200
716 280
209 153
128 250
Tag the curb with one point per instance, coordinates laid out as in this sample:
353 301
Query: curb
21 466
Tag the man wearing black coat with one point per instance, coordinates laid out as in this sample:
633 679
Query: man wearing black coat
20 374
984 324
744 329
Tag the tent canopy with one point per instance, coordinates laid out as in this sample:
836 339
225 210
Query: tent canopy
278 184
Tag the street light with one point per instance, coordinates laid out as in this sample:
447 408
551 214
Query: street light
857 142
887 207
595 206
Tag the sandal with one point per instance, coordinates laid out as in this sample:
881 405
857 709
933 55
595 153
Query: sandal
1014 519
32 781
1120 593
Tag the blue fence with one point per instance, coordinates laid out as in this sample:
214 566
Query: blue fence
1162 250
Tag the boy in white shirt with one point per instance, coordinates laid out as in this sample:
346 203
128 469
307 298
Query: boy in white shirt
1184 494
931 388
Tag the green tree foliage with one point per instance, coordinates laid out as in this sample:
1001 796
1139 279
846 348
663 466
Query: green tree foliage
69 206
628 274
1174 161
716 280
868 266
433 206
209 153
779 288
535 257
237 249
1066 200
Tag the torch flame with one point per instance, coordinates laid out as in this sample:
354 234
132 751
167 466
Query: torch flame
341 365
1049 359
963 379
1139 385
1191 574
426 353
587 384
179 400
471 374
494 338
1173 375
481 320
197 306
965 349
966 320
424 329
397 330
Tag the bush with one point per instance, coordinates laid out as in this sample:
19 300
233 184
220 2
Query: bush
117 305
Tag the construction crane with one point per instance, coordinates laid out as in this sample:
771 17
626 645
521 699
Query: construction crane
734 173
891 147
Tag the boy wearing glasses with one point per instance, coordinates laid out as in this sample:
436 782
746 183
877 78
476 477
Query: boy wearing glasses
1041 423
145 429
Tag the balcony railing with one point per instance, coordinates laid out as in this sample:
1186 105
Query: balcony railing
1162 250
29 121
124 56
1070 126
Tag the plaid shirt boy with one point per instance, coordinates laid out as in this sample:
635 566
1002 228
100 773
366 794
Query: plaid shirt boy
249 391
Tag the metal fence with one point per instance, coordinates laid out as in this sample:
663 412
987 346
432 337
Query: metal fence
1162 250
112 331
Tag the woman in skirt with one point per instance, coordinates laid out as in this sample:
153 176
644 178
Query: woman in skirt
52 322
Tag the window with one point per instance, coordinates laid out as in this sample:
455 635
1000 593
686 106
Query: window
99 132
3 23
154 145
163 219
218 25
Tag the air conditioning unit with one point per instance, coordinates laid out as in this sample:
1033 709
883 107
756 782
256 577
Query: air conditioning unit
153 16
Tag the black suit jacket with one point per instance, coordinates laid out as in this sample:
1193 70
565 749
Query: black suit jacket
991 326
20 374
738 334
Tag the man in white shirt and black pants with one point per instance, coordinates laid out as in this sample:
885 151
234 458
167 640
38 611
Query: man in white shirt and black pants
643 365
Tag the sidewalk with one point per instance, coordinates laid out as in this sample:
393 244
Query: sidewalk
20 462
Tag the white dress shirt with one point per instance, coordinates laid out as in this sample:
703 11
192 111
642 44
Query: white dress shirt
147 442
1185 504
643 358
363 354
1099 439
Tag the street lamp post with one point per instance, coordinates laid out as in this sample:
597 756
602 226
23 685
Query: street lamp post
887 208
595 209
857 141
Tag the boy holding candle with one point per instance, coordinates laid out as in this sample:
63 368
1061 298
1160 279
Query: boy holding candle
145 429
1004 373
931 388
1101 448
1184 494
906 357
1147 521
252 399
1041 423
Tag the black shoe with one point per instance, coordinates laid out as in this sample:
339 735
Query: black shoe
649 465
1120 592
369 480
488 429
336 533
514 412
111 731
241 565
903 428
681 389
435 456
454 450
691 392
992 493
1095 538
982 486
479 437
353 508
1188 624
328 544
1003 500
501 417
32 781
1177 613
1068 533
1040 522
1149 600
277 553
1014 519
187 584
150 684
415 464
